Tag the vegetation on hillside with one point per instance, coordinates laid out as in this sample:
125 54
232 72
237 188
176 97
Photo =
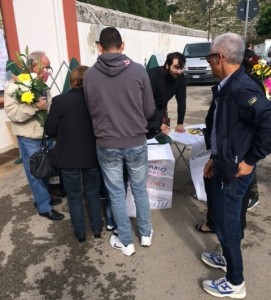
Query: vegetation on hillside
152 9
214 16
263 27
218 16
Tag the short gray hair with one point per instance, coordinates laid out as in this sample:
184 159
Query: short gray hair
231 45
36 56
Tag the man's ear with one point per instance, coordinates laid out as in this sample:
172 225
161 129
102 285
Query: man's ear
122 46
100 48
167 66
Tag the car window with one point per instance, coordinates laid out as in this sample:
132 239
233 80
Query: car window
197 50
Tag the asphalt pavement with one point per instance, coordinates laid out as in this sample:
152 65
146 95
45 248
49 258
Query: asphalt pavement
41 259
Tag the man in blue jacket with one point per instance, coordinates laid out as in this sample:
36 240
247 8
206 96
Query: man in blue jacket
239 124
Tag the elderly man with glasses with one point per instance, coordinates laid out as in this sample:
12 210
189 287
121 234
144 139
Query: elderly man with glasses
239 125
29 133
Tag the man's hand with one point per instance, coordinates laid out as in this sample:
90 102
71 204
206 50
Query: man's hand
244 169
165 129
180 128
42 103
208 170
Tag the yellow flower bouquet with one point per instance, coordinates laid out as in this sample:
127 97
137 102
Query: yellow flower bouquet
27 88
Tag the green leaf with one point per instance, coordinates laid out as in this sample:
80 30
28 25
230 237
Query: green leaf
41 116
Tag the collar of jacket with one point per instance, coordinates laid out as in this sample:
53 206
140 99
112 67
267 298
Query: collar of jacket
232 78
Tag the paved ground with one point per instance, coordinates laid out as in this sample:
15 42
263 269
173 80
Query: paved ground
41 259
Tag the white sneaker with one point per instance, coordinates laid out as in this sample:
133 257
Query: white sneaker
116 244
109 228
223 288
215 260
146 240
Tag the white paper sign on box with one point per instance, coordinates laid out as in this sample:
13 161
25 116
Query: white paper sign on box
161 164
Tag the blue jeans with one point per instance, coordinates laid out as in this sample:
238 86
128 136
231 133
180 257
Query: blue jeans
136 161
39 187
108 211
73 180
227 205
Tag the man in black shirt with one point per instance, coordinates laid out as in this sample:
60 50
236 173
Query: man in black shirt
167 81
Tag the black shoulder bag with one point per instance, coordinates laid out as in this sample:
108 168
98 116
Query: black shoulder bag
40 162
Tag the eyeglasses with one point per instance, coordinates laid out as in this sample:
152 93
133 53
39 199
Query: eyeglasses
195 131
210 56
47 69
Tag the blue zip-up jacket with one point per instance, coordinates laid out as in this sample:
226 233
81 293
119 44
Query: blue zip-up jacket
243 123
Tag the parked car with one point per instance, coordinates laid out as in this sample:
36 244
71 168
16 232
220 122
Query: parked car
197 69
263 50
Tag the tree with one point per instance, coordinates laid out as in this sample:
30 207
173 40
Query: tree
102 3
153 9
137 7
172 8
263 26
142 8
121 5
163 15
133 7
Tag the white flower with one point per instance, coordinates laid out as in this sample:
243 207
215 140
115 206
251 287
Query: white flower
262 62
24 88
33 75
11 88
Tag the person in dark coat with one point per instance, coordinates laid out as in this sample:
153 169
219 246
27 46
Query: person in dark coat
239 121
251 198
75 154
168 81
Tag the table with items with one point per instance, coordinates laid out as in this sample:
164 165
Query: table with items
194 139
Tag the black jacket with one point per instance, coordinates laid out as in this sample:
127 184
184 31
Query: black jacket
165 87
243 123
70 124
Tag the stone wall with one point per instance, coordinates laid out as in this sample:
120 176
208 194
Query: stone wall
143 37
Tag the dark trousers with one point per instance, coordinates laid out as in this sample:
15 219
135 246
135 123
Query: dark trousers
226 203
252 193
91 180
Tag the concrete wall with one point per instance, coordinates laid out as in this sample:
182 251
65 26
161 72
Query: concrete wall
40 25
142 37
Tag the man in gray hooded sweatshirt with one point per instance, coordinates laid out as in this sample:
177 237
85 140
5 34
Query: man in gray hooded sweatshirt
119 98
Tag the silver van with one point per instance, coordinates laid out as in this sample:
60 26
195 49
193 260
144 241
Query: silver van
197 69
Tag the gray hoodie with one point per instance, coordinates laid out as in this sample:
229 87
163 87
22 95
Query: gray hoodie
119 98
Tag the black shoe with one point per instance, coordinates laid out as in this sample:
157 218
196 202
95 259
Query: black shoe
52 215
81 237
97 235
57 192
55 201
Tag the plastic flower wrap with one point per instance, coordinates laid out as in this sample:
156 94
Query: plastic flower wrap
267 84
263 72
27 88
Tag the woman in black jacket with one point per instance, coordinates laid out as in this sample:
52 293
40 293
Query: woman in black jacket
75 154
